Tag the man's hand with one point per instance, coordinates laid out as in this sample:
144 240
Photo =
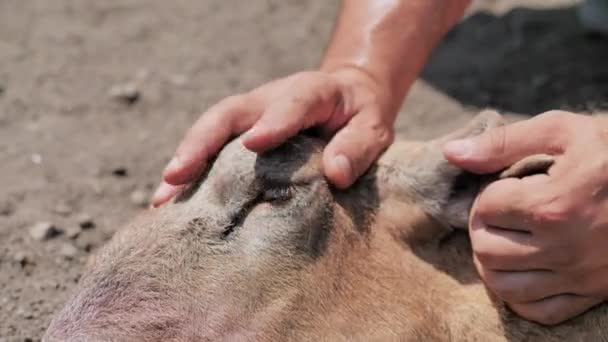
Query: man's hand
541 243
347 102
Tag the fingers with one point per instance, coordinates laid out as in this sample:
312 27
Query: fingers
164 193
355 147
501 147
556 309
524 286
507 203
308 103
213 129
505 250
505 228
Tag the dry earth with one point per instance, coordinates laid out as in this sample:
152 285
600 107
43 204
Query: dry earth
69 150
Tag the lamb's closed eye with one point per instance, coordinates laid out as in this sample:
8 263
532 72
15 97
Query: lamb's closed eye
278 194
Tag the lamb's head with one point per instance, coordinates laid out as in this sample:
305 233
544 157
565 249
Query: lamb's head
262 247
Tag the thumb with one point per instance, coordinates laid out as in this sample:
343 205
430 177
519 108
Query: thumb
503 146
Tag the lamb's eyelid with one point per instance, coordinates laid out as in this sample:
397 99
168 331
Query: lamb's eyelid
283 192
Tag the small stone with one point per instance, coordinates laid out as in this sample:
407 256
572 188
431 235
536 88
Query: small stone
142 74
120 172
36 158
43 231
13 339
72 232
21 312
91 239
7 208
62 209
85 221
127 93
97 188
68 251
178 80
22 259
139 198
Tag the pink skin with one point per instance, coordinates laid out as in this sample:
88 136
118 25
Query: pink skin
540 242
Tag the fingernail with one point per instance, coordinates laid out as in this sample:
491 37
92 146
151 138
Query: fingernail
174 164
459 148
343 164
251 132
162 194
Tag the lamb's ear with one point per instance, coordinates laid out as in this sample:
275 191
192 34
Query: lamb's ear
482 122
443 190
450 191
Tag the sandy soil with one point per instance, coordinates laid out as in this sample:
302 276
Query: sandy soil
69 150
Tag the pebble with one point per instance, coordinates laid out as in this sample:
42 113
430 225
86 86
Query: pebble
140 198
62 209
16 339
91 240
120 172
43 231
178 80
36 158
97 188
6 208
85 221
22 259
127 93
72 232
142 74
21 312
68 251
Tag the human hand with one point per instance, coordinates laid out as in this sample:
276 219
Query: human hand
541 242
347 102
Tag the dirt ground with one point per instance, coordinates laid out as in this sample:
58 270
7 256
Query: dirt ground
69 150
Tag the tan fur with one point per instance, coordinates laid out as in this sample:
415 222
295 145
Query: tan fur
377 262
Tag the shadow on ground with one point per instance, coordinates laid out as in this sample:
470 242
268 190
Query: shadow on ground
527 61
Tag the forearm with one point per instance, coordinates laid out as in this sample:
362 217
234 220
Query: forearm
390 40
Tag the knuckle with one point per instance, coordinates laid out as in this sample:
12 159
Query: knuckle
382 132
313 78
556 121
310 89
555 211
301 99
498 140
556 117
487 206
386 136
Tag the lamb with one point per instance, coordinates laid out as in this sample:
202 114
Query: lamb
262 248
